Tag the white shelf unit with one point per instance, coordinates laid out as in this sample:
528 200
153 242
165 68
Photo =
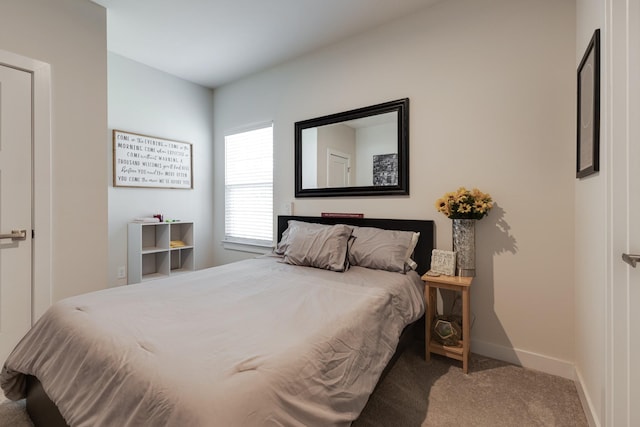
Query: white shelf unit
150 255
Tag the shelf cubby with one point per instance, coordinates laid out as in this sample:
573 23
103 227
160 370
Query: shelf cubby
150 255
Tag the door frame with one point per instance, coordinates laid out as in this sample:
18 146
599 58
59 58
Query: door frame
41 286
333 152
620 59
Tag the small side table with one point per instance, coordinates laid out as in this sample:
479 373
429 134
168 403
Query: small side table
453 283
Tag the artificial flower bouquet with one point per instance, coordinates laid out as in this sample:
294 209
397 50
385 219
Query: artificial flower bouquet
465 204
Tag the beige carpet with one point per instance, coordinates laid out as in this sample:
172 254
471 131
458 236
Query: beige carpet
438 394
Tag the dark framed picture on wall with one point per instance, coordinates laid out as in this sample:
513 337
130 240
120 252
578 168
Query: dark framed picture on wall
588 145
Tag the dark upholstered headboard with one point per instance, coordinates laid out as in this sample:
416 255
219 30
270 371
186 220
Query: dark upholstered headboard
422 252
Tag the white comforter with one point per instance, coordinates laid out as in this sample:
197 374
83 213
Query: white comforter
253 343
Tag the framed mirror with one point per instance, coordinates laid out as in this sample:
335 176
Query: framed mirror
362 152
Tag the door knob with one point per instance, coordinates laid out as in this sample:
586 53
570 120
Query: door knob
631 259
15 235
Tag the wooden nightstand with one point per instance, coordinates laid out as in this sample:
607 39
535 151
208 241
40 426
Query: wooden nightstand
453 283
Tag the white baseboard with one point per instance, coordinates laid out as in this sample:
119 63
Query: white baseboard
526 359
587 406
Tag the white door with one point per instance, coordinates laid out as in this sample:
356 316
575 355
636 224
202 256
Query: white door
624 354
338 169
15 206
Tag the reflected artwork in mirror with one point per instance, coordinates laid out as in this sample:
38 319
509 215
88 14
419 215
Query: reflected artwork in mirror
362 152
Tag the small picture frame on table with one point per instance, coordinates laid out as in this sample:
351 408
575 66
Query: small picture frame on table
443 262
588 132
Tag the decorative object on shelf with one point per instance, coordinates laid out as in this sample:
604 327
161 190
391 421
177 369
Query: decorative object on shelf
149 219
588 149
447 330
177 244
464 207
443 262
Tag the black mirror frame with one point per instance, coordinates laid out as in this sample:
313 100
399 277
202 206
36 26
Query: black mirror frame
402 189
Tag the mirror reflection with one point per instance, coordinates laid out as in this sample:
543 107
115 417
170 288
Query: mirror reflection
361 152
358 152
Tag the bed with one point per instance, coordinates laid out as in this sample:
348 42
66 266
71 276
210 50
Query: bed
267 341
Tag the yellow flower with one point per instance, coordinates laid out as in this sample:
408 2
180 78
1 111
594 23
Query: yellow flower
464 208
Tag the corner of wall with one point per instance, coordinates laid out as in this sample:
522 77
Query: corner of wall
587 405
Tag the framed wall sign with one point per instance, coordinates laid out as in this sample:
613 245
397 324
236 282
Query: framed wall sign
150 162
588 145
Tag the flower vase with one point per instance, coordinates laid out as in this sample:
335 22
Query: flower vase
464 244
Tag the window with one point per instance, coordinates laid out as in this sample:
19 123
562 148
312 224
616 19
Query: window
248 187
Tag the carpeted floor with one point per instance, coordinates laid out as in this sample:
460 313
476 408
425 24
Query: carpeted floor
493 394
13 414
438 394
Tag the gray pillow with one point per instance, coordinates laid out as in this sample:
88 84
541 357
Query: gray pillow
292 226
380 249
322 247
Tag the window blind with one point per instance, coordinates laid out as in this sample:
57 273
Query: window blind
249 187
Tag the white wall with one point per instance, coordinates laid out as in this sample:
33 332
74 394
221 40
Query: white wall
590 216
70 35
147 101
492 90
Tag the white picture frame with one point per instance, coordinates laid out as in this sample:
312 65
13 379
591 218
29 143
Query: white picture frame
443 262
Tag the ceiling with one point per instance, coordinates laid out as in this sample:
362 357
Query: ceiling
213 42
